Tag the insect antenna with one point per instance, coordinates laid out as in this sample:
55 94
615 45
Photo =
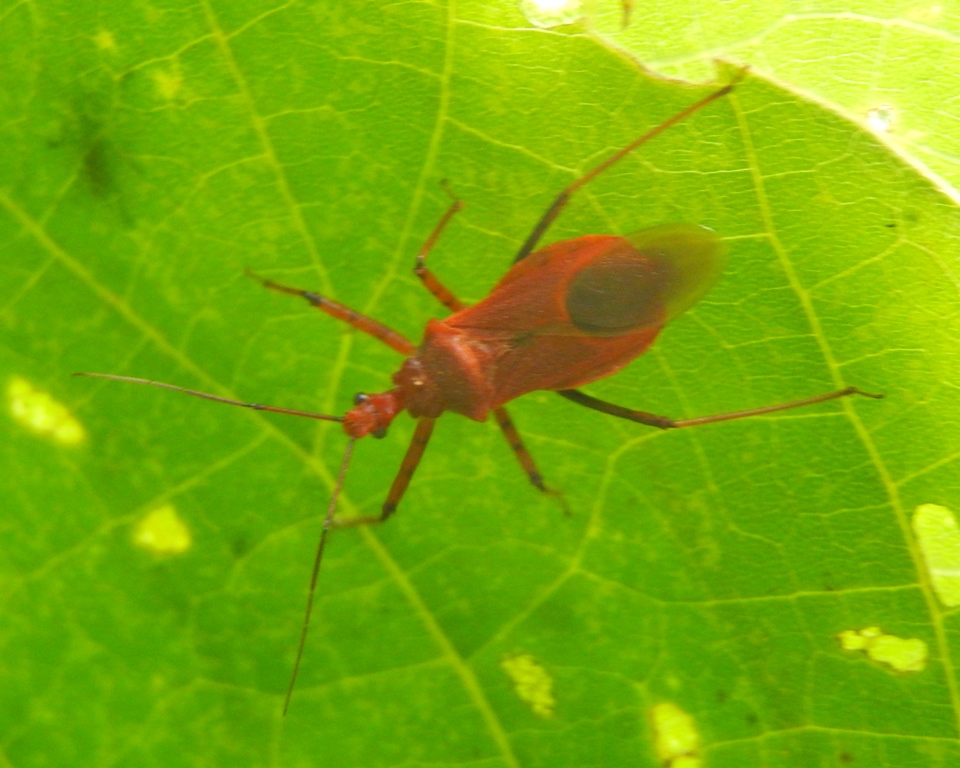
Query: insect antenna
328 517
327 523
208 396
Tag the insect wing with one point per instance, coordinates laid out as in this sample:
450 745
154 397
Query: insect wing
689 259
645 280
531 299
600 285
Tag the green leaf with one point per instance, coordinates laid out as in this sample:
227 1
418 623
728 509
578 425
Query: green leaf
888 65
153 574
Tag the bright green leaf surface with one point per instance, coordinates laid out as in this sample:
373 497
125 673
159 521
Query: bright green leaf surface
890 65
153 576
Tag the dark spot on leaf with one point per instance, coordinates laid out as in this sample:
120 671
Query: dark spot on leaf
239 547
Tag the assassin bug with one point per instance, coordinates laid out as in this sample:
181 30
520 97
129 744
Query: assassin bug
562 316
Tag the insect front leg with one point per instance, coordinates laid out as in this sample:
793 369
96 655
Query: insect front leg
411 460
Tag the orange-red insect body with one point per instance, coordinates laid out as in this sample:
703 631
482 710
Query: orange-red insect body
569 314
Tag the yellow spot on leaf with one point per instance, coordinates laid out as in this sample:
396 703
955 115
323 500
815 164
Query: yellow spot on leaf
939 538
168 84
675 736
551 13
105 41
163 532
532 683
38 411
899 654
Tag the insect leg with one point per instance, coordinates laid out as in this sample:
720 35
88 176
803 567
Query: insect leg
506 424
523 455
411 460
563 198
451 302
665 422
429 280
342 312
516 444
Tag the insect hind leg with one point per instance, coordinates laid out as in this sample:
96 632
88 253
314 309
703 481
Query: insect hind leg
665 422
561 200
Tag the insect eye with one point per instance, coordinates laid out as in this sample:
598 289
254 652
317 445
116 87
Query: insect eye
379 433
360 398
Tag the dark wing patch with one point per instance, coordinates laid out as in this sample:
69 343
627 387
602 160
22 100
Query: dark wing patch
644 280
617 293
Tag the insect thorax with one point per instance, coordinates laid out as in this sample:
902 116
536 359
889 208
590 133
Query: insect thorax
448 372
